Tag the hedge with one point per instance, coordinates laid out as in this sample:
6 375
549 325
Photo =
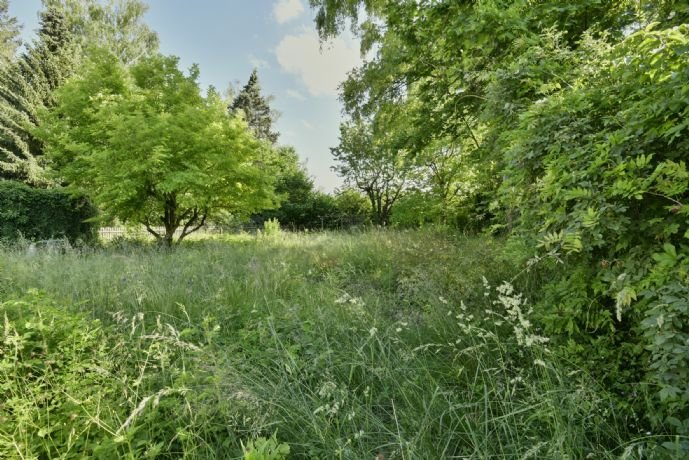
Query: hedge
40 214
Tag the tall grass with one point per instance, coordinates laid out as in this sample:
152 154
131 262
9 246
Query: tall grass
388 344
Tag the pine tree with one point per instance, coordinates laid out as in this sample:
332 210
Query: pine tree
26 88
9 34
256 109
53 33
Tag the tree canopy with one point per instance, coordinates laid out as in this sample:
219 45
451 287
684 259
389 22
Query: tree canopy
116 25
149 148
28 82
379 171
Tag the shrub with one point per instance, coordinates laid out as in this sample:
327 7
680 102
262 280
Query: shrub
598 171
352 208
39 214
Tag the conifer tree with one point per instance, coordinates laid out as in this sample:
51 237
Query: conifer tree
26 88
256 109
9 34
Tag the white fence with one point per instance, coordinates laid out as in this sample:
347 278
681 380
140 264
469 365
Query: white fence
110 233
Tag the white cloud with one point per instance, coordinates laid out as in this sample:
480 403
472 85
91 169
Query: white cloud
307 125
321 71
294 94
286 10
258 62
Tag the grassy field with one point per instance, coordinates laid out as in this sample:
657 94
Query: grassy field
385 344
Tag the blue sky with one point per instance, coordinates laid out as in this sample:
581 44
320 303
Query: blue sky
228 38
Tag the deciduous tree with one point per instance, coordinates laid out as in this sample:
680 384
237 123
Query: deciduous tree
116 25
149 148
377 170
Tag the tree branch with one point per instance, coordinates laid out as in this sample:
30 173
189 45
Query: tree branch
183 216
186 230
152 232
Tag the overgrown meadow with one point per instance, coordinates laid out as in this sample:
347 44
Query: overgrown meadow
554 132
382 344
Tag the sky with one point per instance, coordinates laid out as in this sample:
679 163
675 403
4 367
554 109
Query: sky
228 38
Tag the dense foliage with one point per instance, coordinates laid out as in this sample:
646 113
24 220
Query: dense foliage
373 168
9 34
562 127
598 170
38 214
573 117
29 81
149 148
302 206
116 25
27 87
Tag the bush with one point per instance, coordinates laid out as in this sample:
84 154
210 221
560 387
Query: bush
352 208
598 172
415 209
39 214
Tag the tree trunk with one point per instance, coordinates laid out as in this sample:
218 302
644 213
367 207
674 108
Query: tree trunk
167 240
170 221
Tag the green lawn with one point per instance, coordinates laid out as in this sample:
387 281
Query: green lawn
345 345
